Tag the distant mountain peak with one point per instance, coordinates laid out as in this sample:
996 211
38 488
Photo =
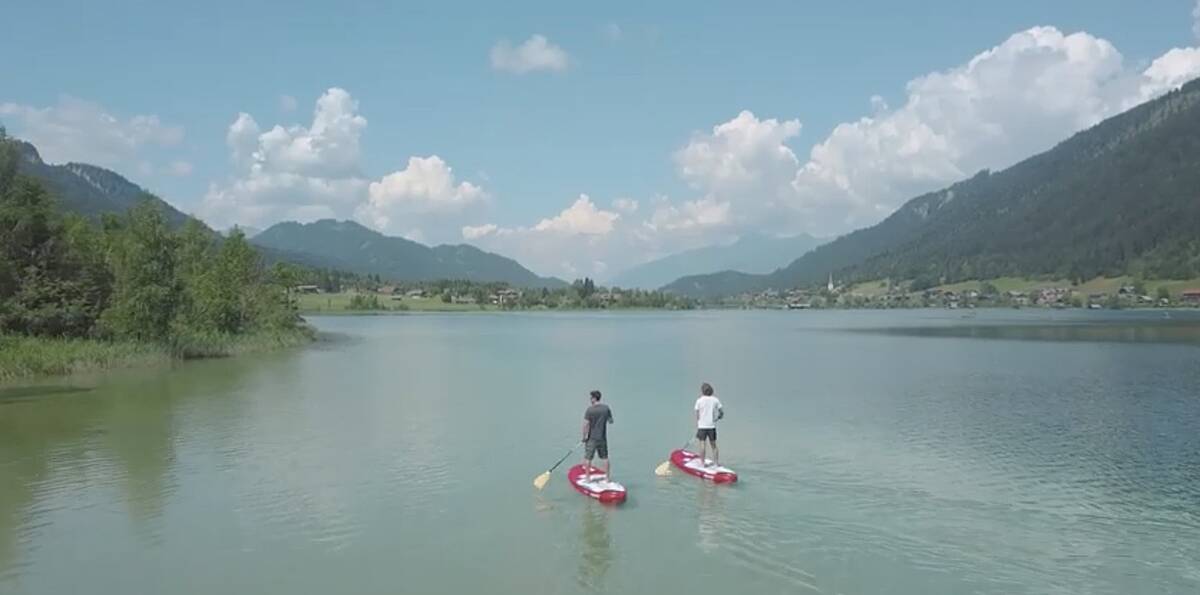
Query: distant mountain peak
752 252
86 189
29 153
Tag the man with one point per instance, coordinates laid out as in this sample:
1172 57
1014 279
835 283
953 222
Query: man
595 433
708 411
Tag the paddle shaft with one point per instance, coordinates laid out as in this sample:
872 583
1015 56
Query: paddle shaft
562 459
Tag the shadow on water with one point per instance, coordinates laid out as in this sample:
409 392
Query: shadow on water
595 556
1102 332
16 394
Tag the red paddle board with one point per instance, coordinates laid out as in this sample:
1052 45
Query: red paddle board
593 485
691 464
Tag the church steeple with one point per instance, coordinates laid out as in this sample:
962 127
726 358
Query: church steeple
830 286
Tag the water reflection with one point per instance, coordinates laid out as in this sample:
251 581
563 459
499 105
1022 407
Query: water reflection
596 552
59 442
711 511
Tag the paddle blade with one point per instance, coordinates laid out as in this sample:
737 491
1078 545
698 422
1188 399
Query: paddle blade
664 469
540 481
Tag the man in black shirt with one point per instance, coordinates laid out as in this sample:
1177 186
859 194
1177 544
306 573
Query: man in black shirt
595 433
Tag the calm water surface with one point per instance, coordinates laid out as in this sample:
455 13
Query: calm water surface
881 452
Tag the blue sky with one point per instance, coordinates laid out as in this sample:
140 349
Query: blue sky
619 104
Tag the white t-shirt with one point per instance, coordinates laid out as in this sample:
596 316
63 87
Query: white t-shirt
707 406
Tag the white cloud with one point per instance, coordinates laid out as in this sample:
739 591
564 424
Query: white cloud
578 241
475 232
581 218
328 148
180 168
79 130
262 199
1169 71
425 188
312 172
288 103
703 215
300 173
536 53
625 205
744 161
1021 97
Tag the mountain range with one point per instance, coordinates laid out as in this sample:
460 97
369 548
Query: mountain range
1122 197
348 246
751 253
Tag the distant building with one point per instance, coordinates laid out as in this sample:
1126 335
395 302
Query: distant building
308 289
1190 296
416 294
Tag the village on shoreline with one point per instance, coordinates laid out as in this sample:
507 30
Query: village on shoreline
1107 294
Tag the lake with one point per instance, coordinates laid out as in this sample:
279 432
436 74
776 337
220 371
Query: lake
922 452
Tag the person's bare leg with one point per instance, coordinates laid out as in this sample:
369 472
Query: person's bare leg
607 469
716 455
703 450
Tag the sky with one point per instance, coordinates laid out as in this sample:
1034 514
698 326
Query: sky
578 139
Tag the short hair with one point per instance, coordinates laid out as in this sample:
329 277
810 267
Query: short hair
595 395
706 389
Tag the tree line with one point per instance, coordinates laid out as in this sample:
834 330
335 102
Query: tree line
130 277
582 294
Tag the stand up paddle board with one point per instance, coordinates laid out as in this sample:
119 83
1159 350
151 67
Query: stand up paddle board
593 485
691 464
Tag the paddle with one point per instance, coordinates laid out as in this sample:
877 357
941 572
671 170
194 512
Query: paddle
664 469
540 481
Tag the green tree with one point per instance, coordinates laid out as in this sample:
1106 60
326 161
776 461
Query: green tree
1164 293
146 286
287 276
43 288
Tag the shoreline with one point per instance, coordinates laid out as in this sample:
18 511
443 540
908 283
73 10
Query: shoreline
30 358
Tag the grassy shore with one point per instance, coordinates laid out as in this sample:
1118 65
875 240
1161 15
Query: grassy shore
31 357
339 303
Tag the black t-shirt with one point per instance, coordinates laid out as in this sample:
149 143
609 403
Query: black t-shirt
598 417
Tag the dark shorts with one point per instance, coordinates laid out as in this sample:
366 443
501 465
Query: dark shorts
595 447
709 434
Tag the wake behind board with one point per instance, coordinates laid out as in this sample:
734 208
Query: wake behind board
593 485
691 464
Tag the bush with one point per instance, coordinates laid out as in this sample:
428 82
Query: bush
365 302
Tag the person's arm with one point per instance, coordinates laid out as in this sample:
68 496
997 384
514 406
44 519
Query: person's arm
696 408
584 431
720 409
610 417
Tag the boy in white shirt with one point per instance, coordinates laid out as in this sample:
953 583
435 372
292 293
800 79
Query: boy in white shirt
708 411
